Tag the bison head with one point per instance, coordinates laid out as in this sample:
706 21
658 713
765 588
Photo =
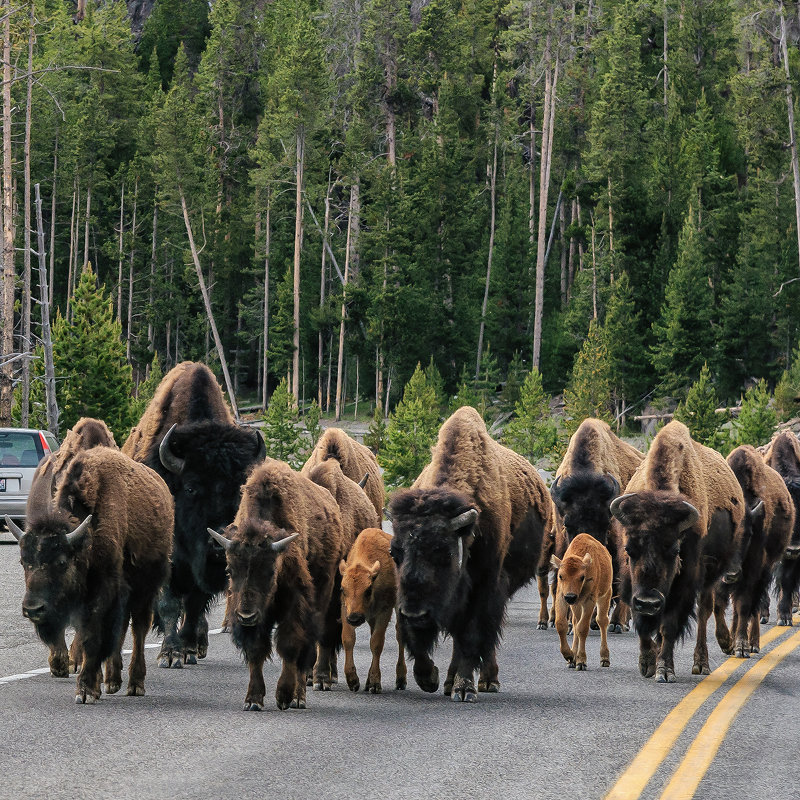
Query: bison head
573 572
357 583
255 552
583 501
656 526
53 554
433 532
793 548
205 465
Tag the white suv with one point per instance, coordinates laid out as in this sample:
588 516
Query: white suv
21 450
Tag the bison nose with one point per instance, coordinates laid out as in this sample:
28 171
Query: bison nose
648 606
247 617
792 551
33 611
733 576
570 597
356 619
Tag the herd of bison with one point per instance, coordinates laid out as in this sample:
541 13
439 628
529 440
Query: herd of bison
191 509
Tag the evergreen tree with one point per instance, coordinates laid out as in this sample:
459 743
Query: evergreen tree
588 393
312 417
411 432
376 435
757 419
147 389
698 411
93 378
787 392
532 432
466 394
282 428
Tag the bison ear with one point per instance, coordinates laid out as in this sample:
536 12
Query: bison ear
342 567
587 559
375 569
555 562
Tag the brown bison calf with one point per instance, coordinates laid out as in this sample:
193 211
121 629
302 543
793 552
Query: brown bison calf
103 572
369 594
282 552
584 583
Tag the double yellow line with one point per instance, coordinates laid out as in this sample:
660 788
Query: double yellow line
701 753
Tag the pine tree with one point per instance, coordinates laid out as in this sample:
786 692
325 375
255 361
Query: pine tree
376 435
588 393
787 392
465 394
281 427
757 419
93 377
411 432
147 388
311 419
533 432
698 411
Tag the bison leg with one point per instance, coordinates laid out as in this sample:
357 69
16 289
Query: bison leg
294 641
581 622
725 637
543 585
113 665
254 699
75 654
489 680
348 643
426 673
464 690
141 617
704 607
202 636
620 618
765 609
401 672
195 604
376 642
647 656
562 626
787 577
169 610
603 605
755 634
451 676
59 659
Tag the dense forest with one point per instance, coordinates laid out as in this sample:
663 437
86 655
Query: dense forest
333 191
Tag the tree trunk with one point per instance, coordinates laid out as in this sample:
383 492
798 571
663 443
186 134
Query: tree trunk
73 227
209 313
792 136
347 258
265 354
298 243
119 270
322 284
571 258
53 225
562 228
86 230
26 285
151 344
129 335
7 339
594 273
47 339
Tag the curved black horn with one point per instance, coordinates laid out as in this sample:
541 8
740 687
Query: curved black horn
14 528
462 520
615 509
73 538
554 487
281 545
614 482
261 447
694 515
363 482
220 539
168 458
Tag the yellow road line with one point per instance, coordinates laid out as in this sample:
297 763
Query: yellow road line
633 781
703 750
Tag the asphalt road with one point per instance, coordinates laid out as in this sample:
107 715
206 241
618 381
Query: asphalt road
549 733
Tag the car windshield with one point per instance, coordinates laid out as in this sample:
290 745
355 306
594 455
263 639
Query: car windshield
20 449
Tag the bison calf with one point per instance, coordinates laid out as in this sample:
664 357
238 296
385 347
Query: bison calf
369 594
584 583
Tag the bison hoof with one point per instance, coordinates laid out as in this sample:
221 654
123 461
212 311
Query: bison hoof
542 626
764 619
113 688
464 692
701 669
552 623
373 688
605 663
253 706
785 622
354 685
664 674
490 687
754 648
594 626
322 685
202 649
615 628
742 651
580 667
428 683
647 665
59 667
85 698
310 680
298 702
135 690
191 658
400 684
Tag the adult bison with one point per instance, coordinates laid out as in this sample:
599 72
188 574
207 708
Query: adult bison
597 463
783 455
467 535
86 434
681 518
768 523
355 459
283 550
100 573
188 436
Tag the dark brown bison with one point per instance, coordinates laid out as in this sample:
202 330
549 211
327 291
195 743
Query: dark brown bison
681 518
467 535
768 524
597 463
356 461
188 436
783 455
283 550
369 594
103 572
84 435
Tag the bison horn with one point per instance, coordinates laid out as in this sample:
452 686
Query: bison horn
280 546
694 515
614 483
14 528
363 482
220 539
74 537
615 509
554 487
261 447
462 520
168 458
